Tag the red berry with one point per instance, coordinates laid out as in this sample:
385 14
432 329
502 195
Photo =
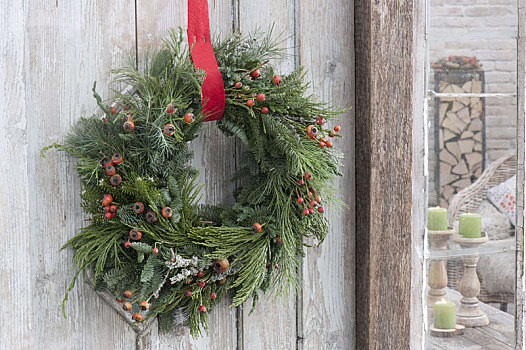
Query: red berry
199 274
305 211
126 107
256 227
279 240
322 144
110 170
144 305
301 182
329 143
129 126
113 209
202 309
264 110
313 203
317 198
127 294
135 234
261 97
337 128
137 316
250 103
106 208
308 176
311 210
117 158
238 85
127 244
151 217
188 293
113 110
107 199
166 212
170 108
276 266
108 215
320 209
276 79
320 120
255 73
116 180
169 129
331 134
213 295
189 118
310 194
107 161
201 284
300 200
127 306
155 250
138 207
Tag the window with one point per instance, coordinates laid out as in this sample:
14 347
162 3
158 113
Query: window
475 133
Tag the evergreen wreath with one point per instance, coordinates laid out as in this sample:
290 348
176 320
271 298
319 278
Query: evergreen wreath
149 241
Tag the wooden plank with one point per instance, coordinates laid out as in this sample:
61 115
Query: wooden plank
15 273
272 325
69 44
384 125
214 154
419 186
521 175
325 32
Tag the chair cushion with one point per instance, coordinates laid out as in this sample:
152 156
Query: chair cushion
503 197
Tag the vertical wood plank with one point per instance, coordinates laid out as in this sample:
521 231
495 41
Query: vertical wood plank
419 187
326 37
214 154
384 109
69 44
16 322
272 325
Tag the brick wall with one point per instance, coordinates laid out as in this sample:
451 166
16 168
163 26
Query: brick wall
485 29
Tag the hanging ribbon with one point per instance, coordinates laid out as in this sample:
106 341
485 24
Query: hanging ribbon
205 60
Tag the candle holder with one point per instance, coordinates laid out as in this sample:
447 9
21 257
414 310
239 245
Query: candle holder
446 333
437 277
469 313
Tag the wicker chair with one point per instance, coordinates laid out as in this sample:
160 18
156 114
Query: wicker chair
469 200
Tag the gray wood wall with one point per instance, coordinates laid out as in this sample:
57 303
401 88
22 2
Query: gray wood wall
51 51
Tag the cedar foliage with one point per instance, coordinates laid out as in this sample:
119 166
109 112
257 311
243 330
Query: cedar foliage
155 171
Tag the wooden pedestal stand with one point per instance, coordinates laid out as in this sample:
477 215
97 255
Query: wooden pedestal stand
437 279
469 313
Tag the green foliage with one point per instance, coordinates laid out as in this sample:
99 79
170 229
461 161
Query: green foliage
155 171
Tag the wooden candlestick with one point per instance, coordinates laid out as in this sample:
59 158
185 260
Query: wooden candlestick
469 313
437 277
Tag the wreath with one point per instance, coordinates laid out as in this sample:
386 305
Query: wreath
149 241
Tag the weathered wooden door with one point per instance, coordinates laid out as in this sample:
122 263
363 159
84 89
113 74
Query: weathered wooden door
51 51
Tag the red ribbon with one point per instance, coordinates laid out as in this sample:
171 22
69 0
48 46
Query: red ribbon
204 59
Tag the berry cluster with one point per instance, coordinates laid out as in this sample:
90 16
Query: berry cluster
317 133
219 265
310 200
110 165
110 211
129 301
151 217
243 91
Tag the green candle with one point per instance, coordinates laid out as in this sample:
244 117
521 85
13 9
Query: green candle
437 219
469 225
445 315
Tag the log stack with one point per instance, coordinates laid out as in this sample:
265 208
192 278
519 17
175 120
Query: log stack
460 131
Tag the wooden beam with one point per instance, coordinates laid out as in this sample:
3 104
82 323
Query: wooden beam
384 148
